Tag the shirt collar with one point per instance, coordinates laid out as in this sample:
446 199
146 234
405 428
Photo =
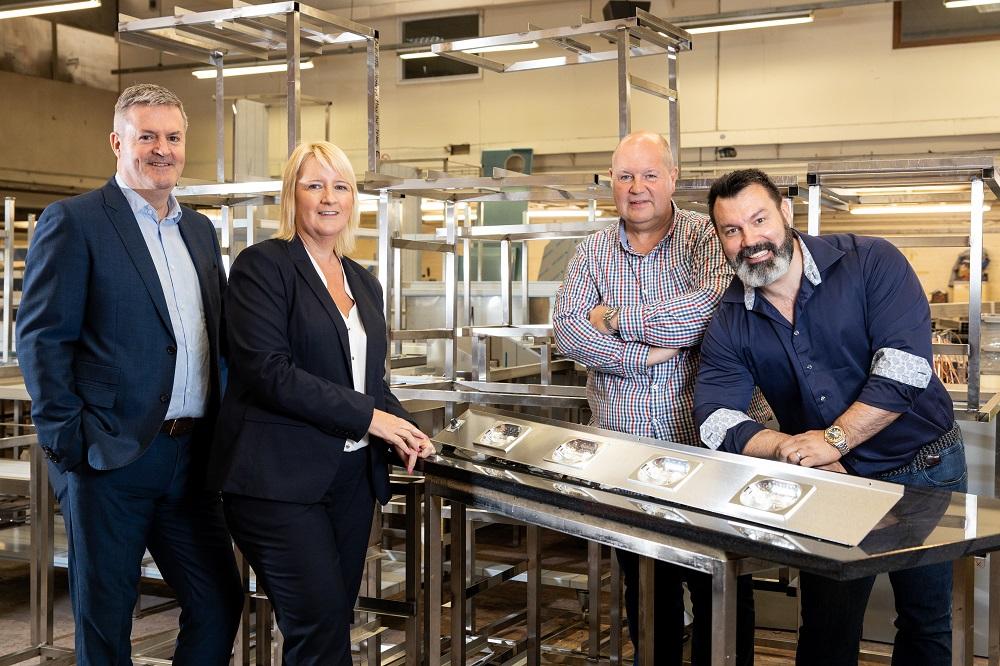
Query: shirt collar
140 206
623 237
817 256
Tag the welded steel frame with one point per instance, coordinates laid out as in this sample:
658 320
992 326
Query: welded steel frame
978 172
635 36
284 30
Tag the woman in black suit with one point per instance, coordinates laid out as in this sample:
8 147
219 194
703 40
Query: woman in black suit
308 423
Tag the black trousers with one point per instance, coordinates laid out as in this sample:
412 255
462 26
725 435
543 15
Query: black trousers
309 559
668 612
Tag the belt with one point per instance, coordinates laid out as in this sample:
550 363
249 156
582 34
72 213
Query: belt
178 427
928 456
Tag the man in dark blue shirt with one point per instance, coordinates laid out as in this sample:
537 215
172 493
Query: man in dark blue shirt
835 331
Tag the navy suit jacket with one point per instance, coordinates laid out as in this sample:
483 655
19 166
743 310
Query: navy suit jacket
290 401
94 339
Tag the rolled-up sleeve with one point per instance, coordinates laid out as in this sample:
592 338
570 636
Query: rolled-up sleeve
723 391
577 338
681 321
899 327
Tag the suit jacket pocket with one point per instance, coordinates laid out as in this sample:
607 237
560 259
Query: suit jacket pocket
96 394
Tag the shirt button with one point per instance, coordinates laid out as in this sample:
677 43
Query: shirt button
655 421
653 387
171 350
822 398
164 397
795 333
809 367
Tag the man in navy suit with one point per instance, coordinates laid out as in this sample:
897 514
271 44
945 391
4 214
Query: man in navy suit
118 336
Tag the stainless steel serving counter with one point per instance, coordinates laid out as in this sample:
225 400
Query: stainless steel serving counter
920 527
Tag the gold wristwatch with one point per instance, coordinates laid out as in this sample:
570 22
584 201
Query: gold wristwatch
837 438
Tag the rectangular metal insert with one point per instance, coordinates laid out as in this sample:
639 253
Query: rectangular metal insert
576 452
665 471
503 435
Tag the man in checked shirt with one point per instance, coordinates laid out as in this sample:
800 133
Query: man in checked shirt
632 308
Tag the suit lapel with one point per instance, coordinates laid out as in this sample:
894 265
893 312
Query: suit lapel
122 217
308 273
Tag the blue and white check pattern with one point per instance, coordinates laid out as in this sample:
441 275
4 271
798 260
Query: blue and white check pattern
667 298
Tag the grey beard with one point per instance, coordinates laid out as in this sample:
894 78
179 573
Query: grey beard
764 273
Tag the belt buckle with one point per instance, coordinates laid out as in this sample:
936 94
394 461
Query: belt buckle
176 427
932 460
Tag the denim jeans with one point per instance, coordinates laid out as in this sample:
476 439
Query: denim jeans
833 611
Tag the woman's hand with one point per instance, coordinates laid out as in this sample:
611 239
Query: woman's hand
405 437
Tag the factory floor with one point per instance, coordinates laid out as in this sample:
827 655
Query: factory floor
561 606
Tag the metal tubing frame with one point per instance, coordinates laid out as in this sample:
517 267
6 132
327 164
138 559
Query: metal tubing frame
624 84
717 563
220 118
294 77
8 278
975 292
506 306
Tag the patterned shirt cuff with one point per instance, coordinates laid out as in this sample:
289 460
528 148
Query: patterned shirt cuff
902 367
634 356
630 323
714 429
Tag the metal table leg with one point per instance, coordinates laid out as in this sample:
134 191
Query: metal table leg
724 613
594 599
962 611
458 607
615 612
432 578
647 597
534 609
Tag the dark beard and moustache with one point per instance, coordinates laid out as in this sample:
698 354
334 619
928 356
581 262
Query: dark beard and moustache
765 272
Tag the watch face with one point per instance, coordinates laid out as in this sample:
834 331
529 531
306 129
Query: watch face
833 434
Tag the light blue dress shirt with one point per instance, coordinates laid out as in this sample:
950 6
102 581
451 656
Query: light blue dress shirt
182 292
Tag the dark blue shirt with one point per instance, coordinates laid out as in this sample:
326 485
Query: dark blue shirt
862 332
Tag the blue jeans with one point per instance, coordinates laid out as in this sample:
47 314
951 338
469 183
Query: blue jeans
833 611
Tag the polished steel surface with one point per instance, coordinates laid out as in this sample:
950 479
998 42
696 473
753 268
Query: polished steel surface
837 508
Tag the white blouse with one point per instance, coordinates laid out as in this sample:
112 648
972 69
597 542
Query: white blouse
358 342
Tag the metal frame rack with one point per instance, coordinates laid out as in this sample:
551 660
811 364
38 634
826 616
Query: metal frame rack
641 35
285 30
835 184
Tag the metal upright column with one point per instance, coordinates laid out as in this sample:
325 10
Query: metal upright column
963 607
458 564
373 103
534 601
384 271
525 312
8 278
647 620
975 291
724 613
674 108
41 570
220 119
624 84
451 302
506 307
593 597
432 577
294 84
812 225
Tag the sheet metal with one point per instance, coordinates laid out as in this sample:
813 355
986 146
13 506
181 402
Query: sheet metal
791 499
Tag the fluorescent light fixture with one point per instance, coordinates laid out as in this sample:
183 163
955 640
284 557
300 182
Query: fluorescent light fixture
269 68
749 23
898 189
956 4
35 8
415 55
913 209
439 217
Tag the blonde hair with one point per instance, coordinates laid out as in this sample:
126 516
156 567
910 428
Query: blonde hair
331 157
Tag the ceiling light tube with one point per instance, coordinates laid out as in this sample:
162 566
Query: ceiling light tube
35 8
558 213
414 55
749 23
913 209
246 70
956 4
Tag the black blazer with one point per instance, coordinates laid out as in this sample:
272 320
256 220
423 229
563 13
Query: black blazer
94 338
290 403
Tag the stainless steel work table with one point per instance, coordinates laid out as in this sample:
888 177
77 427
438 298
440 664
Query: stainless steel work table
923 527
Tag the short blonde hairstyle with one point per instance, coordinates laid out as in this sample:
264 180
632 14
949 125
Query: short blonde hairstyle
331 157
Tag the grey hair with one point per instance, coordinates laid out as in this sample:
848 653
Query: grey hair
145 94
